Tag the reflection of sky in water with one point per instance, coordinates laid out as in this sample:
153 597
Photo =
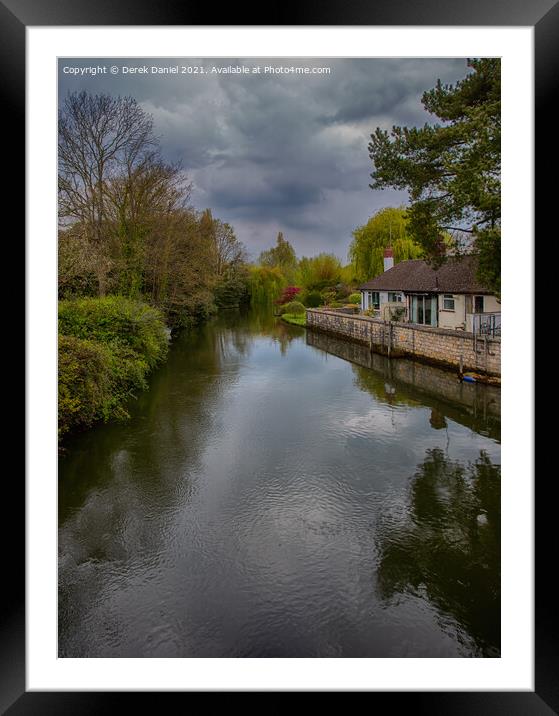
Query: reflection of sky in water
238 512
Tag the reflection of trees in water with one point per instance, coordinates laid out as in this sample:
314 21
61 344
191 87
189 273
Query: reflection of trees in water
380 386
177 414
283 334
170 425
437 420
447 549
242 326
404 382
385 388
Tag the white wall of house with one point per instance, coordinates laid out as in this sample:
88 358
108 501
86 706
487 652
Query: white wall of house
482 304
491 304
452 311
464 306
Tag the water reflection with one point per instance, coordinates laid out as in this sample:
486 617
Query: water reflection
445 546
407 383
258 503
437 420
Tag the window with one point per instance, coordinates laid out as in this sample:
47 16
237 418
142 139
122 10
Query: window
424 310
478 304
448 302
374 301
394 297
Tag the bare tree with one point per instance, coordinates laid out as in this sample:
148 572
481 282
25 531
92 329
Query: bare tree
100 138
125 217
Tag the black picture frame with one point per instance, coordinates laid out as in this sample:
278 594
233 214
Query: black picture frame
15 16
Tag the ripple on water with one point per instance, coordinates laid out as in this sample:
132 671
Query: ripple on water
270 499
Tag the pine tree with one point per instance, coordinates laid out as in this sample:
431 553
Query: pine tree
452 170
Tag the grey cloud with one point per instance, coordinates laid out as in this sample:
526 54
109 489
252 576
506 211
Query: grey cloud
280 153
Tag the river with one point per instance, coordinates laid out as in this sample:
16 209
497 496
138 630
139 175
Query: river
278 494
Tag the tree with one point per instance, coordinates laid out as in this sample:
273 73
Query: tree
76 263
126 226
319 271
281 256
178 267
451 170
100 137
388 227
139 202
230 253
265 284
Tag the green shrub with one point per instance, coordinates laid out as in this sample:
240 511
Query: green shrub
296 319
84 382
397 313
312 299
328 297
106 348
354 298
294 307
339 292
116 319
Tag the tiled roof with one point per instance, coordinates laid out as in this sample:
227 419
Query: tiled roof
456 275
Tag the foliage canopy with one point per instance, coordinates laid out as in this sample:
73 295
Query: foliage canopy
452 169
281 256
388 227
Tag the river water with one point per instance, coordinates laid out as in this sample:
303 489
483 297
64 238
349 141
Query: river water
281 493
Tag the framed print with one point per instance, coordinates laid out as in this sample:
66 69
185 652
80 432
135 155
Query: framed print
225 517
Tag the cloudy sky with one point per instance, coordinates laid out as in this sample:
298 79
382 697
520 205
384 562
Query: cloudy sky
272 152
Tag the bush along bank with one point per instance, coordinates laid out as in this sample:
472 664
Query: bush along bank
294 312
106 348
295 318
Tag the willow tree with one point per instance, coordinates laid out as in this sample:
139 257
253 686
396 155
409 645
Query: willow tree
388 227
451 169
265 284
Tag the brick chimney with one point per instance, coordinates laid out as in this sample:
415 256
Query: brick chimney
388 258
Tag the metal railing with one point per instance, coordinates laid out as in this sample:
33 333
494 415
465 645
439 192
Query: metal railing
486 324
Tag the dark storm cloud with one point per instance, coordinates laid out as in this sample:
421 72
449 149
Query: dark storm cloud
273 153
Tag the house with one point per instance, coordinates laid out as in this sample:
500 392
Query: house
449 297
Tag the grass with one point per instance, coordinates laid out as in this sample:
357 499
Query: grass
297 319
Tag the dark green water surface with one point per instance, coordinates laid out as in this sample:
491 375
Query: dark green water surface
282 493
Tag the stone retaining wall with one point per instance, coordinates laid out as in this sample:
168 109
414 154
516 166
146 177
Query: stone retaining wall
437 345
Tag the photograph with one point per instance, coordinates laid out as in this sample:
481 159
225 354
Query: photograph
279 357
266 407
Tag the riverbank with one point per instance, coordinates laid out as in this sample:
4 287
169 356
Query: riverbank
295 319
106 348
438 346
